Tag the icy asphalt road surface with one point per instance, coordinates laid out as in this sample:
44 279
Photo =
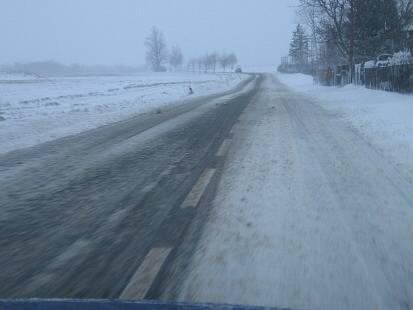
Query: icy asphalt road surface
79 215
307 215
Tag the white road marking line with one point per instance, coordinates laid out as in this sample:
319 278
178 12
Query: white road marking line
143 278
223 149
193 198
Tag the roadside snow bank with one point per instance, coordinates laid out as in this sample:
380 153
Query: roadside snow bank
383 118
35 110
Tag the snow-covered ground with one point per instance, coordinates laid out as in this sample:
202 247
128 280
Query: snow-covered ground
384 119
35 110
307 215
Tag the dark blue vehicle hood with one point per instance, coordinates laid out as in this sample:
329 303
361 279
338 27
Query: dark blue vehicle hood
98 304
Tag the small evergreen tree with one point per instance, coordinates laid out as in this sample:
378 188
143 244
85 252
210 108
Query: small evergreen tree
299 49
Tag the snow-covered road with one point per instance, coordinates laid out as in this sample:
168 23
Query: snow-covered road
78 215
310 212
308 215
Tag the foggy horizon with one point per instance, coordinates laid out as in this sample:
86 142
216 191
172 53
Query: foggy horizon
97 32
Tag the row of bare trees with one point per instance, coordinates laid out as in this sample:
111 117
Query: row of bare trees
158 56
213 61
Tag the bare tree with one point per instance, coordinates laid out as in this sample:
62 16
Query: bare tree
406 11
310 16
200 63
210 61
156 50
204 63
406 21
333 13
224 61
213 60
233 60
176 58
192 64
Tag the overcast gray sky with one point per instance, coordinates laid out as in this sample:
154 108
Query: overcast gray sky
113 31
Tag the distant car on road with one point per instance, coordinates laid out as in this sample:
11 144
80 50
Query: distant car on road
383 60
238 70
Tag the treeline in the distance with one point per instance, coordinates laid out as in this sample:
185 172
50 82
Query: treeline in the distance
159 58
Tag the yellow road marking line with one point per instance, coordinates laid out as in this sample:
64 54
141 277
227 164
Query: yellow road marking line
143 278
193 198
223 149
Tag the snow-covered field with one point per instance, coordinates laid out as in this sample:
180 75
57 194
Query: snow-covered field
383 118
35 110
